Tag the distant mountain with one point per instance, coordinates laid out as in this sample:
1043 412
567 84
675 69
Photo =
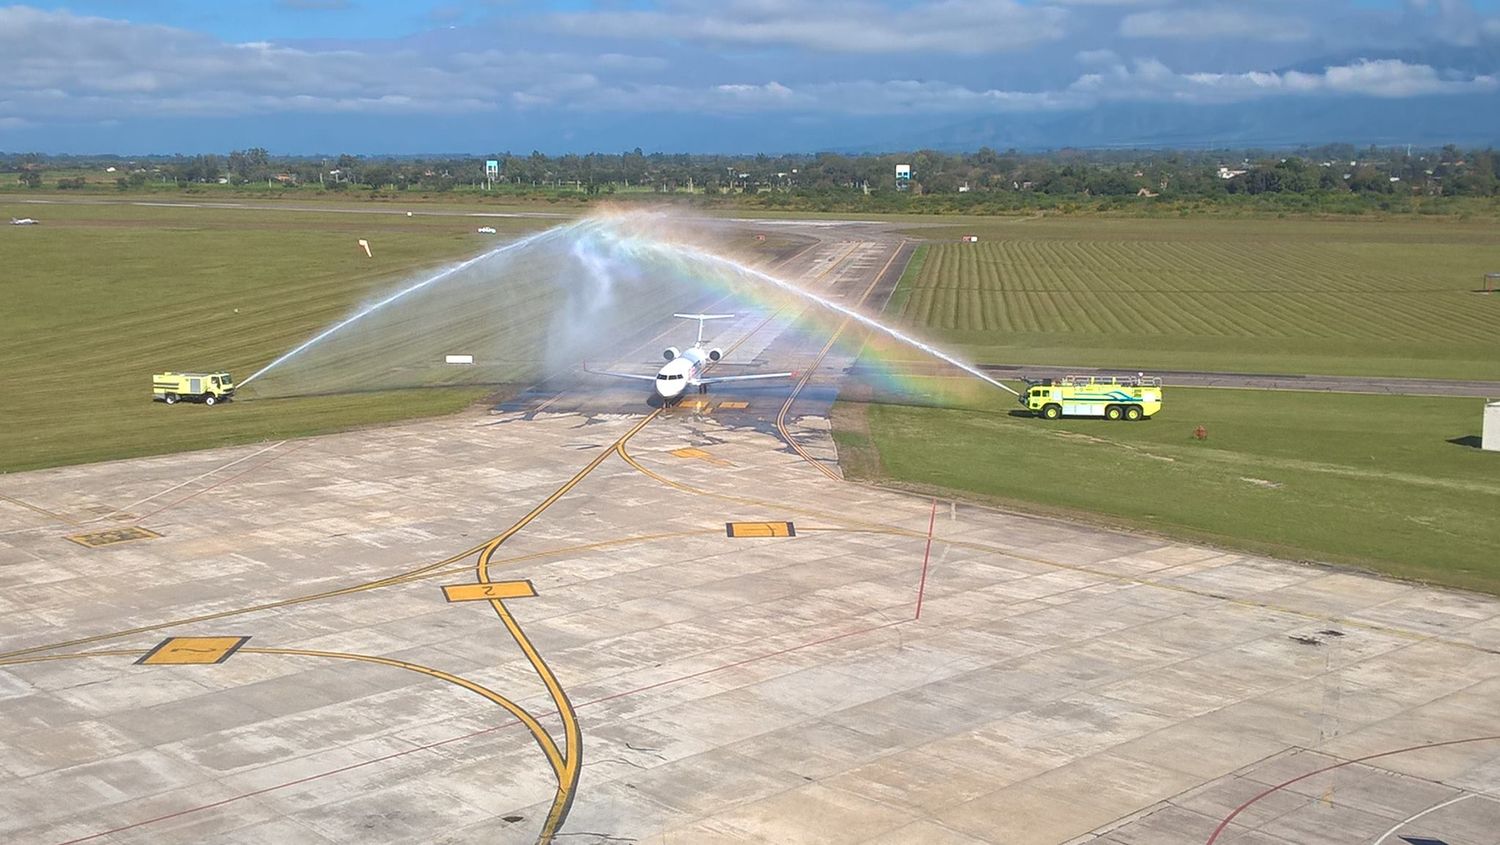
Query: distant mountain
1272 122
1286 121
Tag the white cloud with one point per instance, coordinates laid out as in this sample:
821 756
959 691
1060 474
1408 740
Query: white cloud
1143 81
1212 23
840 26
59 66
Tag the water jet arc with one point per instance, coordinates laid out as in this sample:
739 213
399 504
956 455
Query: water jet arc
436 277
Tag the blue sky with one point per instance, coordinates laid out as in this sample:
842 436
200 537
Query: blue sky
309 76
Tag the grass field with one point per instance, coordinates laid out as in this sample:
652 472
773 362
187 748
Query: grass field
99 297
1387 483
1303 296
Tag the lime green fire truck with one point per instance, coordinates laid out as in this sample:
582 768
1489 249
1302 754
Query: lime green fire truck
208 388
1131 398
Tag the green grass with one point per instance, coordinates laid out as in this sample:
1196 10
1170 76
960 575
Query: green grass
1373 481
99 297
1387 483
1306 296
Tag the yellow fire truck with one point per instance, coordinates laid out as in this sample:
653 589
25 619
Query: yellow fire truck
208 388
1132 398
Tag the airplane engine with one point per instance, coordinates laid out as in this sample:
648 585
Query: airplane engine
715 354
671 353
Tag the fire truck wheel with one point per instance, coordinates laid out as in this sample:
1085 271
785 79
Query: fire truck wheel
210 399
170 398
1133 413
1051 412
1113 412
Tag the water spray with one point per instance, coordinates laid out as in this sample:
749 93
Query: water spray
609 277
710 258
410 289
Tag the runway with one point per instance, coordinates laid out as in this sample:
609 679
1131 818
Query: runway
1273 381
580 618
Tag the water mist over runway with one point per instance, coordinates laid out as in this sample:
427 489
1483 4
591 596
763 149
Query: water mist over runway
535 308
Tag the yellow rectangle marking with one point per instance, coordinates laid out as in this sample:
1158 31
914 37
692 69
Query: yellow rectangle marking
738 406
760 529
487 592
182 651
108 537
699 405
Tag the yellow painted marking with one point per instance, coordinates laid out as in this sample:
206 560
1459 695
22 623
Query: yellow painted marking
110 536
700 455
873 528
426 571
572 761
759 529
738 406
485 592
543 739
442 568
183 651
701 406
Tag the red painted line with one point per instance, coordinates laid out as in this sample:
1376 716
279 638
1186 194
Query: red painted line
926 557
473 734
1280 786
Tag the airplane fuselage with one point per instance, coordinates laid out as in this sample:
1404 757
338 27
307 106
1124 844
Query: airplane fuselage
680 373
689 369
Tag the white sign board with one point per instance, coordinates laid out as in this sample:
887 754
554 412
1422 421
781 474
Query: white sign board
460 359
1491 438
492 168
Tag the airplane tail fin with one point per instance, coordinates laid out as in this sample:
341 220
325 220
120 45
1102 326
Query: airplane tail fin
702 318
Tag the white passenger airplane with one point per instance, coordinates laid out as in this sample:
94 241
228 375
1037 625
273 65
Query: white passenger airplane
684 369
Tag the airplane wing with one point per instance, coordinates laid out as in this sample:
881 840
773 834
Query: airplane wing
636 376
716 380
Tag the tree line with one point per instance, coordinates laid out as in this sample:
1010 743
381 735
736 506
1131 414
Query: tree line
1317 171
